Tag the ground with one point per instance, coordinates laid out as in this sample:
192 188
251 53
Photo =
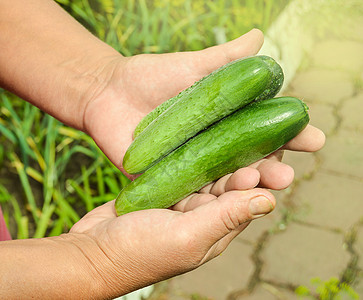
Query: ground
316 229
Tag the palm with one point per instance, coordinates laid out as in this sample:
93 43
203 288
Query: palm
142 82
139 85
161 243
156 244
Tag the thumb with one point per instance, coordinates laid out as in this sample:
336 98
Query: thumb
218 222
245 45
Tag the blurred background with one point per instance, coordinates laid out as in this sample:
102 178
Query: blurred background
311 246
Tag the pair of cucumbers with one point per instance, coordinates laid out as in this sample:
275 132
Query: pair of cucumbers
225 121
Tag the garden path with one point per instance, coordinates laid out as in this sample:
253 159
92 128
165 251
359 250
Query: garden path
316 229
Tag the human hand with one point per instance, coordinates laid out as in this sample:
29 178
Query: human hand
142 82
88 85
144 247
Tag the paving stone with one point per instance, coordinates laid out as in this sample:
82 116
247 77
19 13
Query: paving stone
219 277
270 222
327 86
358 246
301 253
351 113
330 201
171 293
358 285
358 288
257 227
303 163
322 116
343 153
268 292
339 54
355 30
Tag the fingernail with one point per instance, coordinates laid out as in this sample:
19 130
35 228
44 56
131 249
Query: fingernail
260 206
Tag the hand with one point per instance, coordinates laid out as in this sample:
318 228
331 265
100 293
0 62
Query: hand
105 256
144 247
142 82
88 85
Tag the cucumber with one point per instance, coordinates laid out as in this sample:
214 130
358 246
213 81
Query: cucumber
165 105
215 97
161 108
245 136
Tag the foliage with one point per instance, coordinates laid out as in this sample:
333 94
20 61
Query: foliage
49 192
50 174
332 289
145 26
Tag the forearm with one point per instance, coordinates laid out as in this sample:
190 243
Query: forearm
51 268
50 60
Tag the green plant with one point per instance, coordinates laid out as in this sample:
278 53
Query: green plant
50 174
332 289
47 192
146 26
196 296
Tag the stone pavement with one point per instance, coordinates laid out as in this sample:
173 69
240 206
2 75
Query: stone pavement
316 229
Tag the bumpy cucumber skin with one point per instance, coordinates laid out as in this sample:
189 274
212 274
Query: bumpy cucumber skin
218 95
161 108
268 93
236 141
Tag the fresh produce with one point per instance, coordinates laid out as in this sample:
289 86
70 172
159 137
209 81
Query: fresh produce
212 98
238 140
161 108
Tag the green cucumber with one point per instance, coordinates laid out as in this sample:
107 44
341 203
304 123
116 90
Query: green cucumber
215 97
145 121
245 136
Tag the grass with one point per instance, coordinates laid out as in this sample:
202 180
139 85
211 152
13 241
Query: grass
51 174
144 26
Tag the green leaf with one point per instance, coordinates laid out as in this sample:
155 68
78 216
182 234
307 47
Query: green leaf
302 291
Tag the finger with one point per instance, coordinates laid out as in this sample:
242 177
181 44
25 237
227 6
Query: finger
276 156
242 179
245 45
104 212
222 244
311 139
227 215
192 202
212 186
274 174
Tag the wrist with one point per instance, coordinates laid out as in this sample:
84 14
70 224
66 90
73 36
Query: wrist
87 79
82 257
110 112
54 62
47 268
101 272
92 264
